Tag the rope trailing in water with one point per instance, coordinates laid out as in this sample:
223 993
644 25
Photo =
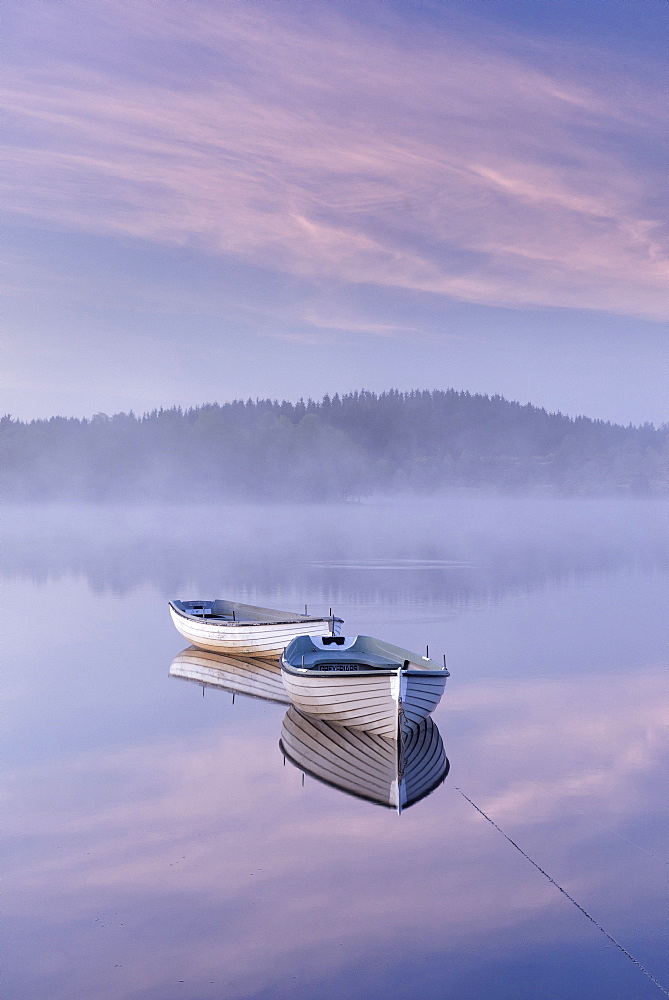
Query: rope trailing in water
565 893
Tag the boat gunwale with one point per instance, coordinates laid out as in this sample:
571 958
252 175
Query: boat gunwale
396 660
290 668
253 622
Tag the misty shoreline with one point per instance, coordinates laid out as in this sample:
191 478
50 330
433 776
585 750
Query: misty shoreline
353 447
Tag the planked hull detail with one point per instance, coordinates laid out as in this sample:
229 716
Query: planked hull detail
368 703
361 682
422 693
253 631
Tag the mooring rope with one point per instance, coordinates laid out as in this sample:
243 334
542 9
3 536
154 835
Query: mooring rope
401 719
564 892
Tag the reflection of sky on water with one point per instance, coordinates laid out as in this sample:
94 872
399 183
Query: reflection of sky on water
156 836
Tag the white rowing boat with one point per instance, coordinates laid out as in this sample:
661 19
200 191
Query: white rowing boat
227 626
255 677
393 773
361 681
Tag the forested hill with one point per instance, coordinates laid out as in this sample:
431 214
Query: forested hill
340 447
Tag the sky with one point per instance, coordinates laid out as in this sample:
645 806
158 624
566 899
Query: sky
216 199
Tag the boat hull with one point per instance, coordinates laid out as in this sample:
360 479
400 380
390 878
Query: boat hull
361 682
362 702
248 638
420 694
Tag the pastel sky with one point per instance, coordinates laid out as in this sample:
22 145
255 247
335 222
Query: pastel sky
213 199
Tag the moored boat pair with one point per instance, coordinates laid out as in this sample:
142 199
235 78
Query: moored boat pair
352 681
388 772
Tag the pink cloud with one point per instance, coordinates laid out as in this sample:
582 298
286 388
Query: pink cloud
448 169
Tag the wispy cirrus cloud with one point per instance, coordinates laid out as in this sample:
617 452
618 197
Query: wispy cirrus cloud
328 150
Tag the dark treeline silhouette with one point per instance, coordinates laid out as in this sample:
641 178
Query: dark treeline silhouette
339 448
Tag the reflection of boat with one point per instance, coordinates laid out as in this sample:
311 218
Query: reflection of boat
394 773
222 626
255 677
361 682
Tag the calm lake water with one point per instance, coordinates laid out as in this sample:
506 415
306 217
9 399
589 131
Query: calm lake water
158 847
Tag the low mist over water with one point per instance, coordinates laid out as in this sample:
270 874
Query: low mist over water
462 547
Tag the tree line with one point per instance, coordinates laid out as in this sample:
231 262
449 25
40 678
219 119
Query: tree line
341 447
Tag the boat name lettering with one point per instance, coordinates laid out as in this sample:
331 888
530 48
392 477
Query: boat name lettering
339 666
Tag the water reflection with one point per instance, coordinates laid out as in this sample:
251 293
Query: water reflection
393 773
255 678
390 772
156 848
